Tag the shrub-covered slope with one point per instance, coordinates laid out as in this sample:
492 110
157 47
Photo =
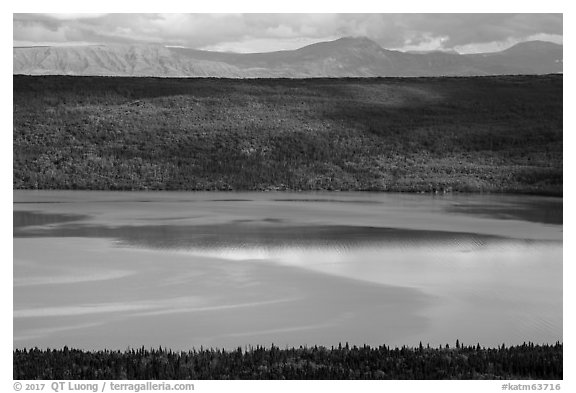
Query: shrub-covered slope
488 134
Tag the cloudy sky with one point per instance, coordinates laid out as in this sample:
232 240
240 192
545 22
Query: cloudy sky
465 33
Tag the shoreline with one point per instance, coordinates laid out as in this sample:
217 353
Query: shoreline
544 193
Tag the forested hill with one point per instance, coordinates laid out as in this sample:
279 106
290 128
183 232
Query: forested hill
489 134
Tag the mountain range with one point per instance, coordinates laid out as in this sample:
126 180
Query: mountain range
345 57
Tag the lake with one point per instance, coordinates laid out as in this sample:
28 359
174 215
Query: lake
119 270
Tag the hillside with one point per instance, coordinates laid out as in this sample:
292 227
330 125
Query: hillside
535 57
345 57
489 134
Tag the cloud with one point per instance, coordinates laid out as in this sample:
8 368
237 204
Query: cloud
253 32
74 16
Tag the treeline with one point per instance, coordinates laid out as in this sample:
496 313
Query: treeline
487 134
527 361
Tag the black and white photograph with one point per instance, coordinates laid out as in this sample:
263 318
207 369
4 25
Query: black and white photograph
287 196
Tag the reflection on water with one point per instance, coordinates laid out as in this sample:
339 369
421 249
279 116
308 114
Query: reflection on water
203 269
22 219
544 210
257 234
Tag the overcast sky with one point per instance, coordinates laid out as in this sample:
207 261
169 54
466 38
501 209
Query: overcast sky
465 33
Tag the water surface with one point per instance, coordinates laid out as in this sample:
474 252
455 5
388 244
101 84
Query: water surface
118 270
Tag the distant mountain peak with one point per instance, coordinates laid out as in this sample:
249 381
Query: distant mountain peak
354 39
344 57
346 42
360 41
534 46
